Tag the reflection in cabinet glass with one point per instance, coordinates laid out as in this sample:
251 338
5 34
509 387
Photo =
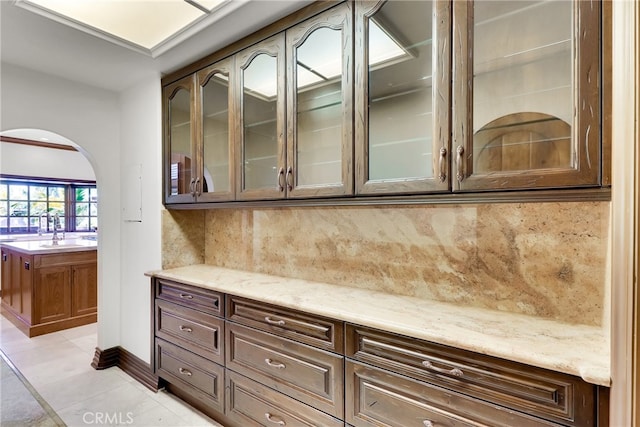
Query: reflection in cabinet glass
405 63
179 178
216 171
262 116
181 155
532 112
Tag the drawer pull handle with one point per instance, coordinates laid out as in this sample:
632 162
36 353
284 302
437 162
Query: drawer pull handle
455 371
186 296
270 321
185 372
428 423
274 364
185 328
270 418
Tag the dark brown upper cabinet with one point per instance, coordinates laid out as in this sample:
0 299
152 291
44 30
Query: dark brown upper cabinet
402 92
179 139
320 105
526 94
216 132
396 98
261 121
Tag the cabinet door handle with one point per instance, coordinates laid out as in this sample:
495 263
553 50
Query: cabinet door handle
442 165
186 296
459 162
270 321
192 190
185 372
280 179
289 178
197 187
4 257
455 371
185 328
274 364
428 423
27 265
270 418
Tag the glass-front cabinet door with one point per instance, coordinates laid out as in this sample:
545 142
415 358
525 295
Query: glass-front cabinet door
526 107
261 120
402 86
216 134
320 105
179 142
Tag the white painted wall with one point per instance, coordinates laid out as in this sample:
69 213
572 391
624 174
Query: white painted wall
27 160
140 251
90 118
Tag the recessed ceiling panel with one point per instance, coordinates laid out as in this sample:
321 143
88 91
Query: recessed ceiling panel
141 23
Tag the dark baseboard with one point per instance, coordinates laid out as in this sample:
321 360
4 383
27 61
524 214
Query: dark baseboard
103 359
129 363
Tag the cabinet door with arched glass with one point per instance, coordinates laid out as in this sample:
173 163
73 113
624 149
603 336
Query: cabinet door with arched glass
261 121
215 127
402 86
320 105
179 142
526 108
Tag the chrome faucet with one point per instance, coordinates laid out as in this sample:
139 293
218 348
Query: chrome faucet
56 223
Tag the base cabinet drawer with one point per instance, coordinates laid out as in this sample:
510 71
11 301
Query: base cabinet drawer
194 297
202 377
555 396
305 373
379 398
198 332
249 403
299 326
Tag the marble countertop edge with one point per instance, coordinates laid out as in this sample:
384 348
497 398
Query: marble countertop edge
579 350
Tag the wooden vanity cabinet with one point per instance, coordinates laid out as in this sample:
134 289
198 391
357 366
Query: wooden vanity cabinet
413 379
45 293
281 366
296 353
189 342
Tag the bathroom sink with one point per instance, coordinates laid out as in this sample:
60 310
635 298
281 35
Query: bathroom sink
61 245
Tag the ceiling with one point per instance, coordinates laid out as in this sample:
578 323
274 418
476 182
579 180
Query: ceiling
30 40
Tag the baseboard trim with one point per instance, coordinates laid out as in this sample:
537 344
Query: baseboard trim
129 363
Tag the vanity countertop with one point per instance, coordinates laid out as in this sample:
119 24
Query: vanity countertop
43 247
573 349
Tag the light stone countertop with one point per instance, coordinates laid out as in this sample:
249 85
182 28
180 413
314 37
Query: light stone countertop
42 247
573 349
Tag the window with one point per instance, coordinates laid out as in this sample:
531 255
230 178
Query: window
29 206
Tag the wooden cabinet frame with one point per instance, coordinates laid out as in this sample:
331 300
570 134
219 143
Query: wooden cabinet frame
586 137
441 55
453 179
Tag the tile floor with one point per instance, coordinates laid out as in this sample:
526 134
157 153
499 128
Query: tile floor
58 366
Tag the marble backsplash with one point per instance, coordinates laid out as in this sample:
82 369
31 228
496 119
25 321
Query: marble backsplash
544 259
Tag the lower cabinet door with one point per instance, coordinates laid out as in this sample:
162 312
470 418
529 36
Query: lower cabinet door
380 398
249 403
202 378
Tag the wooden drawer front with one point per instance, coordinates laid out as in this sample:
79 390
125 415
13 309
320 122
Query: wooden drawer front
196 331
65 258
251 404
552 395
380 398
317 331
310 375
190 296
203 377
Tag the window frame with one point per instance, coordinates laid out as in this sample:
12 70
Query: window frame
68 223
